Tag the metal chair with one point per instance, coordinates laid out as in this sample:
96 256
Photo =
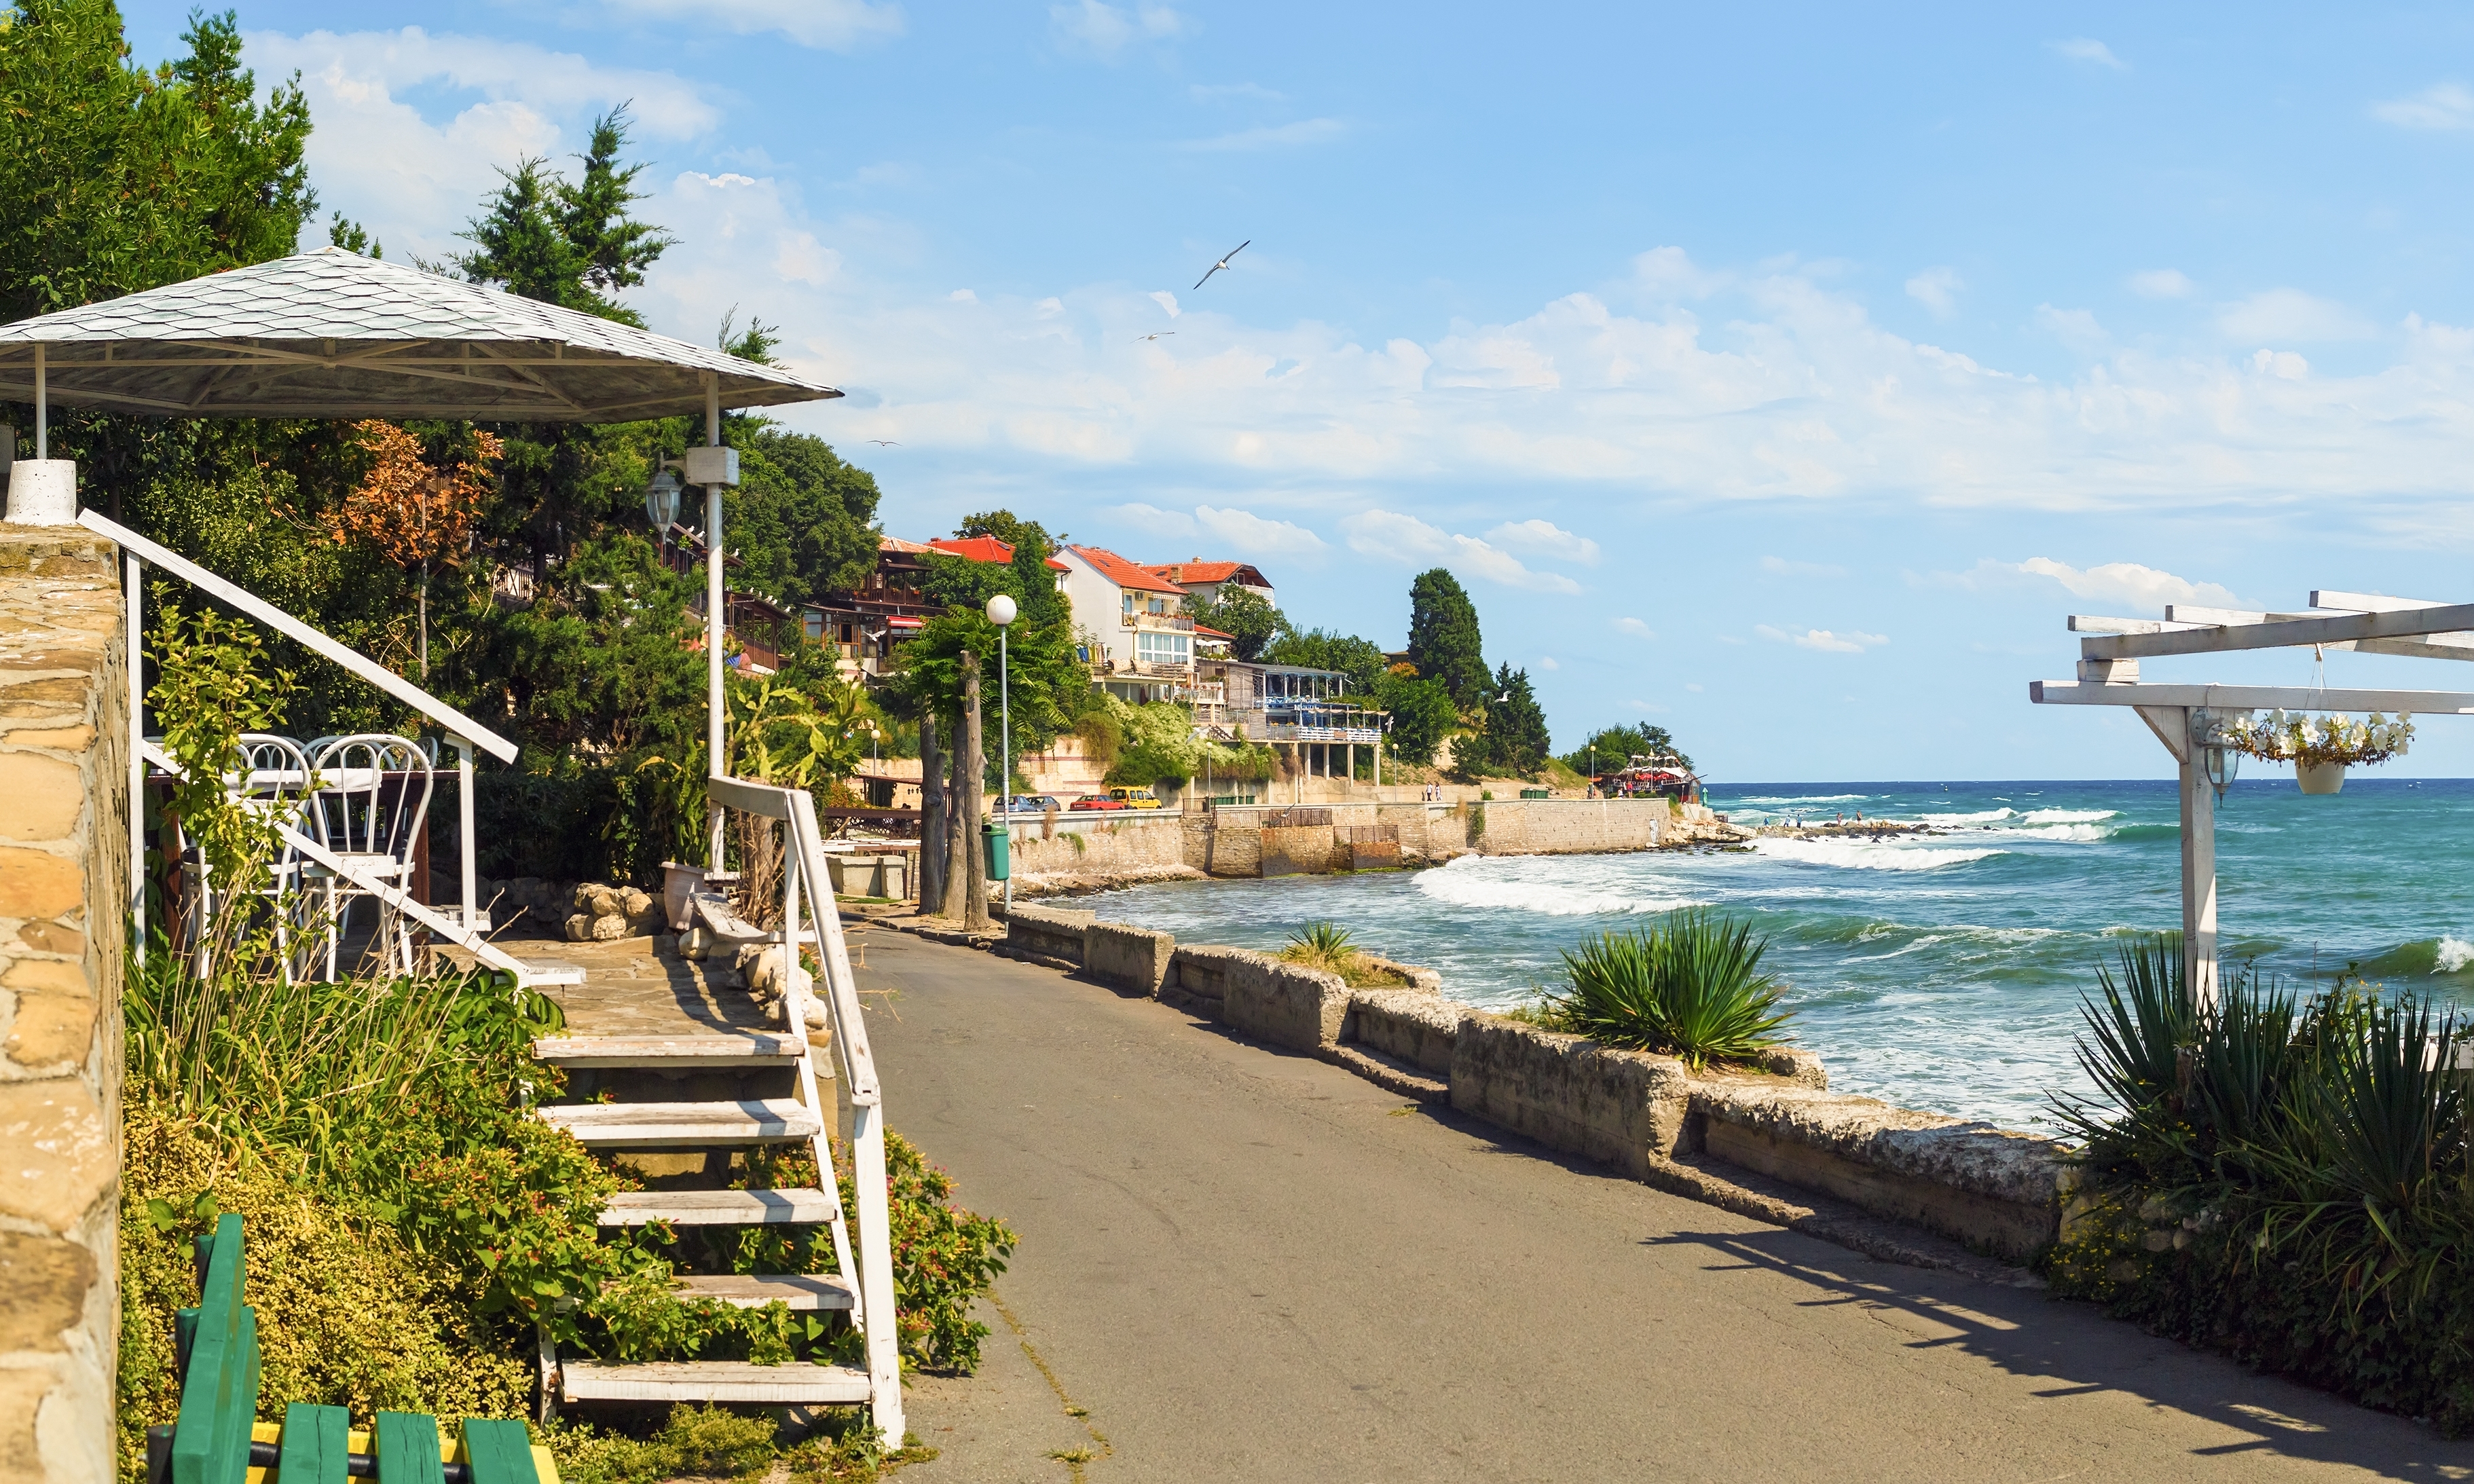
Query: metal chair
275 781
370 799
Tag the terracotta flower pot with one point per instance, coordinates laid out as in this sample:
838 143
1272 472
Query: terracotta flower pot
2320 777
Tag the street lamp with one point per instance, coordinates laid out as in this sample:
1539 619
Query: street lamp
1001 612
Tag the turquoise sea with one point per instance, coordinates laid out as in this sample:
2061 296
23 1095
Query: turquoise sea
1936 972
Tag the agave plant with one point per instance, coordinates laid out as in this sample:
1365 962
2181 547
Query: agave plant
1324 945
1691 987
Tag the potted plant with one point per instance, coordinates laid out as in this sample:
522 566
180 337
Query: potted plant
2321 747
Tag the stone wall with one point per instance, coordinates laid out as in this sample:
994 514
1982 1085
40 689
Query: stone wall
1235 841
64 904
1109 842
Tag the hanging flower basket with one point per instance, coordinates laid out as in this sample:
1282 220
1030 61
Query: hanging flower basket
2320 748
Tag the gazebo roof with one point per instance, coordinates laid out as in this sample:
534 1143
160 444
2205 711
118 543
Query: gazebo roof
333 334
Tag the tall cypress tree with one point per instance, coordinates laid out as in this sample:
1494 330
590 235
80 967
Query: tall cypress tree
1444 641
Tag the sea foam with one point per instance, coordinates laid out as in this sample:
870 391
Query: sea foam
1867 855
1471 881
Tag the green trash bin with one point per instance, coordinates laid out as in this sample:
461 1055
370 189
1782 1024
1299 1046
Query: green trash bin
1000 846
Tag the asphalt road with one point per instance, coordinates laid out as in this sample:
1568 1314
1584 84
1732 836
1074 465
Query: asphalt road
1248 1265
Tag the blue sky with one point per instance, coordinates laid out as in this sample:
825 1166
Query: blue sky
1779 376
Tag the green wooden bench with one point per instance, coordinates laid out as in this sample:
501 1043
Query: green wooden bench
219 1438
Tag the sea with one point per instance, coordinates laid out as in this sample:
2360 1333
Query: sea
1945 971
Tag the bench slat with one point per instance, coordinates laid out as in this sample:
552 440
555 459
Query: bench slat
500 1452
407 1450
315 1441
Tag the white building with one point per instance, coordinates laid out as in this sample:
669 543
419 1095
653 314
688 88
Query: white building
1130 624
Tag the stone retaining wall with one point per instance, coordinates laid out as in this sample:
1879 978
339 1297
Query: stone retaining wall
1108 841
63 906
1998 1191
1236 841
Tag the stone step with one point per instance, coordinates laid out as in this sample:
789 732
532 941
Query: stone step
719 1207
684 1125
713 1380
755 1290
756 1048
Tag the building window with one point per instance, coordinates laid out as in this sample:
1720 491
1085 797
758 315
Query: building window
1155 648
814 625
1130 602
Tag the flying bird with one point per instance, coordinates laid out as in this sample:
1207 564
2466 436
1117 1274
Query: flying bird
884 443
1222 263
1153 335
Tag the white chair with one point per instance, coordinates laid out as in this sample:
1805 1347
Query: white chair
275 781
371 797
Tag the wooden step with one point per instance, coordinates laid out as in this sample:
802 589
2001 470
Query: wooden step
720 1208
684 1125
753 1047
755 1290
712 1381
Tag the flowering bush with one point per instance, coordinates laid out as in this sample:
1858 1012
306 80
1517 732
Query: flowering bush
2309 742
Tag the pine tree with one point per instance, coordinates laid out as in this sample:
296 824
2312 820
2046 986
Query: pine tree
1444 639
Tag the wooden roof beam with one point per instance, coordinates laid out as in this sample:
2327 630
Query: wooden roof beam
2338 629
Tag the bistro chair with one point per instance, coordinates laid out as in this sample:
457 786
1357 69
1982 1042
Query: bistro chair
370 799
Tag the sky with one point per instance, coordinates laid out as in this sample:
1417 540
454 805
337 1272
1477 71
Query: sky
1780 375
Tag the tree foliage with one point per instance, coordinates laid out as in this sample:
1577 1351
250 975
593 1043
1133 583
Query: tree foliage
1444 639
571 243
1510 740
1313 648
1244 615
1609 747
1421 715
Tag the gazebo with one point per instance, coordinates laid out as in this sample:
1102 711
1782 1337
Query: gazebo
2191 719
333 335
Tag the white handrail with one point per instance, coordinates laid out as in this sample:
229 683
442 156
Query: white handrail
447 716
805 861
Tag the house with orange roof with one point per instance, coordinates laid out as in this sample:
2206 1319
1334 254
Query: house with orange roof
1205 579
1130 625
865 623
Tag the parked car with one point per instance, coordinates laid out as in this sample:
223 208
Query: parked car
1093 801
1136 798
1035 803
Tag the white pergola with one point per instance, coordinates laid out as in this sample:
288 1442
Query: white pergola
2185 717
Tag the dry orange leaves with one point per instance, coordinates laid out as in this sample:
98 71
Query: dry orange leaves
411 510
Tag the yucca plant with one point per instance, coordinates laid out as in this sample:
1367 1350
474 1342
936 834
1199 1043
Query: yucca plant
1691 987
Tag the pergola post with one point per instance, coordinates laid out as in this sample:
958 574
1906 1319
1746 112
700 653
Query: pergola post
2199 878
715 600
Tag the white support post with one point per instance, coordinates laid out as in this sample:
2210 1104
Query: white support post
2198 875
875 1273
42 407
134 597
464 824
714 601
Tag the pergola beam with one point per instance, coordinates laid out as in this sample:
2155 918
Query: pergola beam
2336 628
2251 697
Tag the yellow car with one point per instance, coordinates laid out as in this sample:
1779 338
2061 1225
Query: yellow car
1136 798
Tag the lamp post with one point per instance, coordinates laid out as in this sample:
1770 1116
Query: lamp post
1001 612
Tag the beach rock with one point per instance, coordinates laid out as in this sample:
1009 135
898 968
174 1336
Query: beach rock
579 929
596 900
642 909
760 966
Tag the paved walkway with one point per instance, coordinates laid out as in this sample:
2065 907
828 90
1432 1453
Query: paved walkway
1248 1265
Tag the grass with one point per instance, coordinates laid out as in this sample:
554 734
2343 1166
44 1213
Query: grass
1692 987
1331 948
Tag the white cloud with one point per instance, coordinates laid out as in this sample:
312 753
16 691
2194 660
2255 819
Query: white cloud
1694 687
1256 536
1544 538
1105 30
1166 301
2446 105
2160 283
1547 661
2283 364
830 25
1938 289
1783 568
962 296
1152 520
1636 628
1306 130
1404 538
2140 588
2087 49
415 181
1827 640
802 259
2290 315
2077 329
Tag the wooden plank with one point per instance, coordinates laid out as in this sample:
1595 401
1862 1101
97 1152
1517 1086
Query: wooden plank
2171 725
219 1395
666 1125
2241 697
756 1049
720 1208
2404 624
498 1451
713 1380
405 1445
2367 603
725 921
2097 623
315 1442
755 1290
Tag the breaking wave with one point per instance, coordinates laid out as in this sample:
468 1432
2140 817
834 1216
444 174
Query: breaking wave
1523 885
1867 855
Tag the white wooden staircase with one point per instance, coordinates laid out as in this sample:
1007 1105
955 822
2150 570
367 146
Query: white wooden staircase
864 1286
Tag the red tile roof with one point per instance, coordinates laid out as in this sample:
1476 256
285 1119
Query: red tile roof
1124 573
1208 632
1205 573
980 548
897 543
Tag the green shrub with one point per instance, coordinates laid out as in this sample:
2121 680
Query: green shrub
1327 946
1690 987
2291 1183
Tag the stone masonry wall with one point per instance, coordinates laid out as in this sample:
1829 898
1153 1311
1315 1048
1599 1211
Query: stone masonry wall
1110 841
63 899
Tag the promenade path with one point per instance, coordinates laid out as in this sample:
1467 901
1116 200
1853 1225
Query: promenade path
1248 1265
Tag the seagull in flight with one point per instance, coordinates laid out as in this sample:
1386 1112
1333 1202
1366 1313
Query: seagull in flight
1154 334
884 443
1222 263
